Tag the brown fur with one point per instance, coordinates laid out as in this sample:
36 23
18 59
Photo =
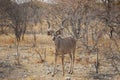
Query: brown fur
64 45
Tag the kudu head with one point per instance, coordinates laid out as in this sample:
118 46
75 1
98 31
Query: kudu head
53 33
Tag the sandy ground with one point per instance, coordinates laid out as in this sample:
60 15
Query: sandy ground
32 68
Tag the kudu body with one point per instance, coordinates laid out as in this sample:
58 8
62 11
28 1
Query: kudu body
63 45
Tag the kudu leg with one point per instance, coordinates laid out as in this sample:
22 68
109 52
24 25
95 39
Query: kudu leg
73 61
55 65
70 63
63 64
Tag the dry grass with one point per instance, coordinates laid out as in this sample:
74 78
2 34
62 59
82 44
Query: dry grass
31 61
6 40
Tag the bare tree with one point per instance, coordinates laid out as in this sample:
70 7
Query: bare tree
14 13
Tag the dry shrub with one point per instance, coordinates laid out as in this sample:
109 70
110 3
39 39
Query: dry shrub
6 40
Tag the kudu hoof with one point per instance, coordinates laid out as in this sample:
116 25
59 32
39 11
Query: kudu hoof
70 72
53 74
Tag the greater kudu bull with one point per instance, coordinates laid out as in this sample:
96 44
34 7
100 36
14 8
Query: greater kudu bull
63 45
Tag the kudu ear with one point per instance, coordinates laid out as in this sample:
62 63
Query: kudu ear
50 32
